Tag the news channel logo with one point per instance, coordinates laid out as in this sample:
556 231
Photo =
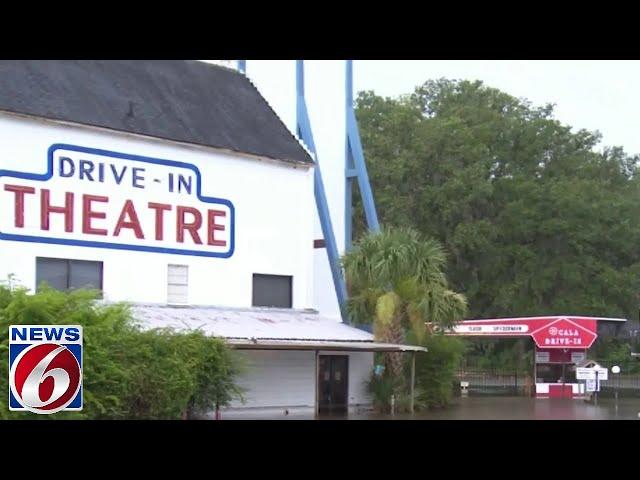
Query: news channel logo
45 368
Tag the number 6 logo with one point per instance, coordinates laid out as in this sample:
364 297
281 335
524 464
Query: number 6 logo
45 378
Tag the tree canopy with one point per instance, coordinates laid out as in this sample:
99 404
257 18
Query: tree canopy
534 218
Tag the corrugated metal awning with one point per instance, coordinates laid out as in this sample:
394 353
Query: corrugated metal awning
248 344
249 323
266 329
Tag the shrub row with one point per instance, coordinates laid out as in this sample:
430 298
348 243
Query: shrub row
128 372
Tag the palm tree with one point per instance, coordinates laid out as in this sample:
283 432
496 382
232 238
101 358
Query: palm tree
395 280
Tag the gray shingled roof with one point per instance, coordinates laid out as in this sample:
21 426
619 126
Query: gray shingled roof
186 101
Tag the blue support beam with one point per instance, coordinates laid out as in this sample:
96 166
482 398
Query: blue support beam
350 170
305 133
356 166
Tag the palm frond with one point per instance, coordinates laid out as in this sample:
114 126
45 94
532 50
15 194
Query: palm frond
412 267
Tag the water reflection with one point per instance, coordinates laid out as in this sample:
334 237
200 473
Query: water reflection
497 408
521 408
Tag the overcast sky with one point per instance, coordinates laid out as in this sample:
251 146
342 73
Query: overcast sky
601 95
596 95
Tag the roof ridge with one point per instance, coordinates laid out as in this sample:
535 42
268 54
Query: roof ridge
294 135
218 65
186 101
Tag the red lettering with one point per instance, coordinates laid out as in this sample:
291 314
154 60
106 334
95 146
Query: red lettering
134 224
160 208
88 214
46 209
19 193
213 226
192 227
190 221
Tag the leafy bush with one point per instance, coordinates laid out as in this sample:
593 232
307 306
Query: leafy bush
504 354
436 369
128 372
381 388
435 377
616 351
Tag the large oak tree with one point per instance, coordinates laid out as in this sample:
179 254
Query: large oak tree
535 218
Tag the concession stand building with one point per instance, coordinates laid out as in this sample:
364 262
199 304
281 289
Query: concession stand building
561 343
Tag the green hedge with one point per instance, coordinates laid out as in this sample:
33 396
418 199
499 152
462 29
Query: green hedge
436 370
435 376
128 373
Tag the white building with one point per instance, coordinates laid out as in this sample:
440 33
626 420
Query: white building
174 186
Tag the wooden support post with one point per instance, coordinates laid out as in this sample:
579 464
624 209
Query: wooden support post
413 377
317 403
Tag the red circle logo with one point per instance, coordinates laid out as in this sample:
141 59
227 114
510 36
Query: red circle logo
45 377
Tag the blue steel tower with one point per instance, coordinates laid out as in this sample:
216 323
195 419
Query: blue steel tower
354 170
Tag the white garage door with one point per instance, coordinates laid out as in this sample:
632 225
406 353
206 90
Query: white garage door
277 378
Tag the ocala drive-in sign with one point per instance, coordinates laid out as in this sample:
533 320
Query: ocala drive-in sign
563 333
566 332
97 198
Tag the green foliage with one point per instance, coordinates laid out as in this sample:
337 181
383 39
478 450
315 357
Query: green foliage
436 370
128 373
405 263
381 389
395 281
435 377
504 355
615 351
535 221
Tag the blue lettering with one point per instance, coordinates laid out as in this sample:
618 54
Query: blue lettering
183 182
171 182
53 333
19 333
137 177
101 172
72 334
86 167
118 178
36 333
72 168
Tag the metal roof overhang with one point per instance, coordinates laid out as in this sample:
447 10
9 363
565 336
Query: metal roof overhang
344 346
542 317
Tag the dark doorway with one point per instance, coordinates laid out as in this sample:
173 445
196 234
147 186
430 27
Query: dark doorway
333 384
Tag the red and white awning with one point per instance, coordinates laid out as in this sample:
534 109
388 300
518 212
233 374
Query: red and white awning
559 331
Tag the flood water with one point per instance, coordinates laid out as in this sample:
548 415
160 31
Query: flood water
505 408
524 408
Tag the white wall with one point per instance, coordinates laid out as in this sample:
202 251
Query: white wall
360 368
278 378
272 200
287 379
325 96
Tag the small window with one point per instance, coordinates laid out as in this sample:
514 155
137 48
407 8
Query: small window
65 274
178 284
272 291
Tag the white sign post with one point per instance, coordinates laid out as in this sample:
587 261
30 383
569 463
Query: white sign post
591 373
593 377
616 371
